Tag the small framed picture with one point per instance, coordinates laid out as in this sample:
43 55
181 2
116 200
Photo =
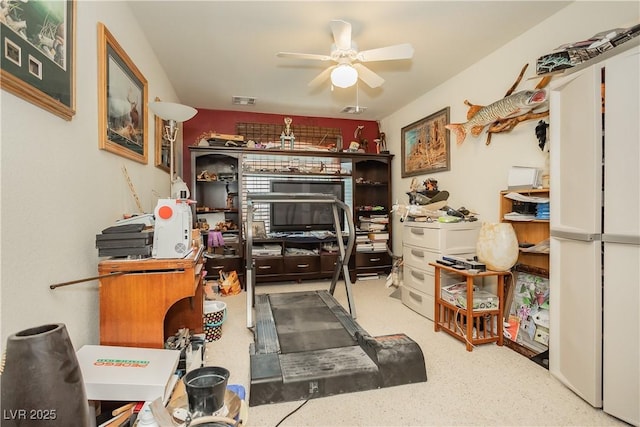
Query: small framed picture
259 230
162 145
12 52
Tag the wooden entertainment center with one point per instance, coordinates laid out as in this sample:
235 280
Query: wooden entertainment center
222 177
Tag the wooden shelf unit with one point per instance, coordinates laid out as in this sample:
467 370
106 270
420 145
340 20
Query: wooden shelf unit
534 231
461 322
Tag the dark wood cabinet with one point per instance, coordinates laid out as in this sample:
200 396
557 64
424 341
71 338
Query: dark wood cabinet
222 177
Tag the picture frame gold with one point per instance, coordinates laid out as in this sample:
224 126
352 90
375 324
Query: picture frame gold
162 144
122 101
44 73
425 145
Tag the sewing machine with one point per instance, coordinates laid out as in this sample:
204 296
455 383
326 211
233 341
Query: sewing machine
172 232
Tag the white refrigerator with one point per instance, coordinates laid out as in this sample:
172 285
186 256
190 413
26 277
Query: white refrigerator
594 267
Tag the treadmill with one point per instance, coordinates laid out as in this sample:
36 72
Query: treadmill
306 345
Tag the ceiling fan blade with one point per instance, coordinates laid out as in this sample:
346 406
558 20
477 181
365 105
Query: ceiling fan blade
398 51
369 77
321 77
341 34
303 56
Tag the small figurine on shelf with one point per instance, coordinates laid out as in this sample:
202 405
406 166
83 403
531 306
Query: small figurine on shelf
230 197
381 144
431 184
362 143
287 134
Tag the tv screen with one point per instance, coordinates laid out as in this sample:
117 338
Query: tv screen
302 216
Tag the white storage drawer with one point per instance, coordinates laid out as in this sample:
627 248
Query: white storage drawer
420 258
444 238
424 281
417 301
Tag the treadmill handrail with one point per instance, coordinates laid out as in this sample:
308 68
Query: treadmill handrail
343 261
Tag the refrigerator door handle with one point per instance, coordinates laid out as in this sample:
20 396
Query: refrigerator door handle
626 239
573 235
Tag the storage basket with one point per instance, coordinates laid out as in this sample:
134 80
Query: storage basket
215 313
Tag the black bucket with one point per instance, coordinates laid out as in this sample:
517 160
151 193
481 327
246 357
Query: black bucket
205 390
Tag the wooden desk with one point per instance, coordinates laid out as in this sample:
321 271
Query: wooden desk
461 322
151 301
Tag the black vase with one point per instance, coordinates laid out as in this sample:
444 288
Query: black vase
42 383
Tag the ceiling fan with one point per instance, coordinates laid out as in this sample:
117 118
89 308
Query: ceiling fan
349 67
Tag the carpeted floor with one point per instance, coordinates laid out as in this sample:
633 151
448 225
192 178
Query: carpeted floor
489 386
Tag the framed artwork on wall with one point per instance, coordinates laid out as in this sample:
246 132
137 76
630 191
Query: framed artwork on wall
122 101
162 144
425 145
37 53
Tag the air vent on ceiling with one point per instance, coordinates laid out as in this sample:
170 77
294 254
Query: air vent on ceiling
243 100
353 109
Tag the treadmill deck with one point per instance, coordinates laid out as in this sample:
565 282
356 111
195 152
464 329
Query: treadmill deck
306 345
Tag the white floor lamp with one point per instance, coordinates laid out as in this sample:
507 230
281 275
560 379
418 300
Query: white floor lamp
173 113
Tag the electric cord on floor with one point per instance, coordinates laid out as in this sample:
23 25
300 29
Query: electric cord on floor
292 412
460 328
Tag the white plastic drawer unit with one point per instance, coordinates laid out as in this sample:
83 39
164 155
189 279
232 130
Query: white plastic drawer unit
419 258
442 237
424 243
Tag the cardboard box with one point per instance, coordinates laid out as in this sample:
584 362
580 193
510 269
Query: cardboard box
127 373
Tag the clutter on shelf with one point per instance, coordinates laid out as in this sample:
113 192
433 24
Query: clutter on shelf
571 54
429 205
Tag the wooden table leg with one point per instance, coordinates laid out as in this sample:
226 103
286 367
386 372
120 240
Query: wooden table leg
436 314
469 313
500 309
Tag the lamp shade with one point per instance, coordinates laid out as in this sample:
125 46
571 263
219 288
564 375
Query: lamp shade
172 111
497 246
344 75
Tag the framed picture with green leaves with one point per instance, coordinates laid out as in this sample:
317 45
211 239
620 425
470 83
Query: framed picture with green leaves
37 53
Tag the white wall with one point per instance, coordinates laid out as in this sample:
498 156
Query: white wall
59 190
479 172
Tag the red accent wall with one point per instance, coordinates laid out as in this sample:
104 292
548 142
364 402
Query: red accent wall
223 121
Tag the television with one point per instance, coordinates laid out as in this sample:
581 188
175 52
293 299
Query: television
304 216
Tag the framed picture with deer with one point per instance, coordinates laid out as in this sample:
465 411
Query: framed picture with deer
122 101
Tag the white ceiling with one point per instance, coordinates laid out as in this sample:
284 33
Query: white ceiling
213 50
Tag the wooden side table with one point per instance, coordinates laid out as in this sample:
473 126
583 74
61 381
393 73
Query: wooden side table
150 299
466 324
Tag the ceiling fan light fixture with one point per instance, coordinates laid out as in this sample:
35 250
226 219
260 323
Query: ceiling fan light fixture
353 109
344 75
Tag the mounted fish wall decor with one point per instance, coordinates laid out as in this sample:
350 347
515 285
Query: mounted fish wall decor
504 114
